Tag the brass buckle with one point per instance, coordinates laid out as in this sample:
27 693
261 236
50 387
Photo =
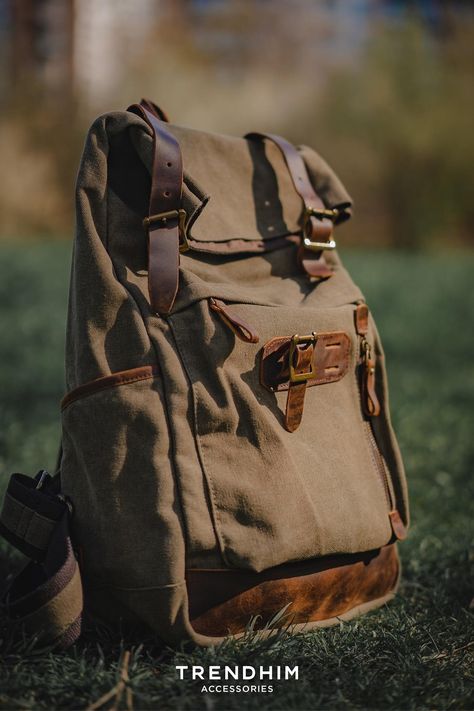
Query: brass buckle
296 377
320 214
163 217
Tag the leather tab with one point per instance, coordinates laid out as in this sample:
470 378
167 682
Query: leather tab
294 406
313 264
370 400
361 318
236 324
297 390
398 527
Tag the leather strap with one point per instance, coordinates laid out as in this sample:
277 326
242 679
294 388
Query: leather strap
316 227
45 599
368 392
237 325
297 390
166 217
153 108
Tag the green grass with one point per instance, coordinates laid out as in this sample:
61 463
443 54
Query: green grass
415 654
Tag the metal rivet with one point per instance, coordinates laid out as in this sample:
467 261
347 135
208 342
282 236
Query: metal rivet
169 164
267 203
167 193
270 228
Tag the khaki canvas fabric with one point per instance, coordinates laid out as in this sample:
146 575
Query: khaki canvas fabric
191 466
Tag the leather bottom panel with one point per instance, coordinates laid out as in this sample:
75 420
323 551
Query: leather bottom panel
222 602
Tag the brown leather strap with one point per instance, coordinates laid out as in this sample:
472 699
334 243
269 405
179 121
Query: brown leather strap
317 219
368 392
165 222
237 325
153 108
297 390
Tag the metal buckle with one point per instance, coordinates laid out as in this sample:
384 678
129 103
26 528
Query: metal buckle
163 217
296 377
320 214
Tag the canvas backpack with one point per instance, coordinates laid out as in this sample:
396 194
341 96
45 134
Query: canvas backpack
227 450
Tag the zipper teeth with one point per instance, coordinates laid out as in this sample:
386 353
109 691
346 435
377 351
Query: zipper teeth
379 463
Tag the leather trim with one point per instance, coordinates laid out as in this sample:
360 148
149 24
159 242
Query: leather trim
123 377
398 527
361 319
223 601
331 358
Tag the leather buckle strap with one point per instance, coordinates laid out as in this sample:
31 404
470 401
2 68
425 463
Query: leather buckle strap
310 228
296 375
164 218
317 220
302 368
166 222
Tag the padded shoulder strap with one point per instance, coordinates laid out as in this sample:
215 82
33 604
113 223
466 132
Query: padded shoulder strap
317 221
165 222
45 600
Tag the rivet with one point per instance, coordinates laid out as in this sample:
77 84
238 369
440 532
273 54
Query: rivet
167 193
267 203
270 228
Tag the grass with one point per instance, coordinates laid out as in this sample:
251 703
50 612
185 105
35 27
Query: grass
415 654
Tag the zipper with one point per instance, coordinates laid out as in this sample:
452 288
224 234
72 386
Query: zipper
371 408
379 463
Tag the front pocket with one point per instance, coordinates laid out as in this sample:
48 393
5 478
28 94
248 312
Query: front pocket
279 496
117 470
123 377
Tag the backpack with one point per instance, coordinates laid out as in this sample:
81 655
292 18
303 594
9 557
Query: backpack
227 451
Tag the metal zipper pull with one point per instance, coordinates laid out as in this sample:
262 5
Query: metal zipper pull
370 401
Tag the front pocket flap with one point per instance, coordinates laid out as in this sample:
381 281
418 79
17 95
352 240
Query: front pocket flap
330 361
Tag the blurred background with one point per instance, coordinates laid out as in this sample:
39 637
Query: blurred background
382 88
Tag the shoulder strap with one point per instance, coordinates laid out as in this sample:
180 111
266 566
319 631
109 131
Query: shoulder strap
166 219
45 599
317 219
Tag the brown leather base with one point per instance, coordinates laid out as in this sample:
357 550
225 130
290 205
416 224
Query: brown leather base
222 602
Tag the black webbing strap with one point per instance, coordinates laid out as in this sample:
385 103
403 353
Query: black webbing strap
45 599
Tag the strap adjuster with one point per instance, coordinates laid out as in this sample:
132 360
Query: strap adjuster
295 376
163 217
320 214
